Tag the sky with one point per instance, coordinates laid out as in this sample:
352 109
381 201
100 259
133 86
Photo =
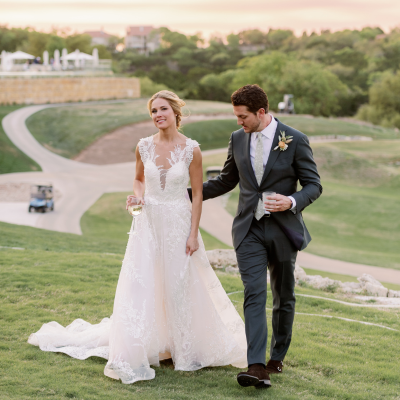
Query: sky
207 16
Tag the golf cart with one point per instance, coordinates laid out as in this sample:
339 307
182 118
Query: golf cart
213 172
41 198
286 106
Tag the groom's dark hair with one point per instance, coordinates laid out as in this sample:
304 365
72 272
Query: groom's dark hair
251 96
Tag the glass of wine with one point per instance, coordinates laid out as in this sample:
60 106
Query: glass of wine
265 195
134 209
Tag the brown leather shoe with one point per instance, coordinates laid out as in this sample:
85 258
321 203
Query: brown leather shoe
256 376
274 367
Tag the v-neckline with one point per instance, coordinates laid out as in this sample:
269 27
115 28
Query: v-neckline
163 172
161 167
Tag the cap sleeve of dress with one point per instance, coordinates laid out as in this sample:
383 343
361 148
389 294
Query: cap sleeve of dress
190 146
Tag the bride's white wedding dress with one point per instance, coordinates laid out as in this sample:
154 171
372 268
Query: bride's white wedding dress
167 304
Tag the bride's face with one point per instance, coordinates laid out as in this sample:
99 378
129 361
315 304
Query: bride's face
162 113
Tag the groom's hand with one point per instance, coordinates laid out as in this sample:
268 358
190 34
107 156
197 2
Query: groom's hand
281 203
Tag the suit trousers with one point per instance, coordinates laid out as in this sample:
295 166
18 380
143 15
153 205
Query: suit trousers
266 246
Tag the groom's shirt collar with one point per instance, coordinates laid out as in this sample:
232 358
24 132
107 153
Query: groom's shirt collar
269 131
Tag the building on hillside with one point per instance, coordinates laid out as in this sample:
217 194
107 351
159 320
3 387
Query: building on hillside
99 37
144 39
251 48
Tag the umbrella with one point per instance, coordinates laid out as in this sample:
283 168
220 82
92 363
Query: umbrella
80 56
20 55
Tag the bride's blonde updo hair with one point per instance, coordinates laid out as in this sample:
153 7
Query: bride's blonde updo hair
174 101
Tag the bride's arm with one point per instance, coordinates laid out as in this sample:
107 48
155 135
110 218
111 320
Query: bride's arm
138 183
196 180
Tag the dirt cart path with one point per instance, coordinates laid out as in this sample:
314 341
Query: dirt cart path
119 146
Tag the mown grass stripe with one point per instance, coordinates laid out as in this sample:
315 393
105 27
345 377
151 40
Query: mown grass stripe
344 319
338 301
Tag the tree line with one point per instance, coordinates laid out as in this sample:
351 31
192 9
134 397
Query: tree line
35 43
344 73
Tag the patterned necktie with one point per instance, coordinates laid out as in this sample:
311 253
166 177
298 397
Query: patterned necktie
259 170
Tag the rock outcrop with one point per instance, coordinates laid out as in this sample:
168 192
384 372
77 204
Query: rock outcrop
393 293
222 259
225 260
315 281
371 286
367 285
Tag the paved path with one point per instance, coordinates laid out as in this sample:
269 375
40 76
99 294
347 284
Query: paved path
82 184
312 261
216 220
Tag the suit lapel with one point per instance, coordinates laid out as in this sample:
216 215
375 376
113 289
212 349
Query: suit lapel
247 158
273 155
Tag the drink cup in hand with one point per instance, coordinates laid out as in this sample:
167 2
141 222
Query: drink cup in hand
134 209
265 195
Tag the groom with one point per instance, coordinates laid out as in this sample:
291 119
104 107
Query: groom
266 235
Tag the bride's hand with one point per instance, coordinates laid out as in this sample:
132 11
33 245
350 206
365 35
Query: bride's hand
130 197
192 245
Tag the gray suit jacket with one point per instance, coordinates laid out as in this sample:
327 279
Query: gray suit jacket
281 175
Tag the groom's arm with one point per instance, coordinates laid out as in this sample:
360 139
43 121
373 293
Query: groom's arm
225 181
307 172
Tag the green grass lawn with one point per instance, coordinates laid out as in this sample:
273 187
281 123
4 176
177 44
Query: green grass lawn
11 158
62 277
314 126
69 130
211 134
104 226
215 134
357 217
328 358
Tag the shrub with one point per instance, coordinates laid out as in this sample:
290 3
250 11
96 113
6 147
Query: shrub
148 87
384 101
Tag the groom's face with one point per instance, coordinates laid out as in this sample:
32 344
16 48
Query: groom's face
248 120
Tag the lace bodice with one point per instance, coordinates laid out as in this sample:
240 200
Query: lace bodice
166 185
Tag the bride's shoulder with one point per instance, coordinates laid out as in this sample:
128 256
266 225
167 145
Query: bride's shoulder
146 140
191 143
145 144
145 147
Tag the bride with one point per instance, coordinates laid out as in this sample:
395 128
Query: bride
169 303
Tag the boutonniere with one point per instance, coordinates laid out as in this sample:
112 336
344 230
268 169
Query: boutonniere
283 141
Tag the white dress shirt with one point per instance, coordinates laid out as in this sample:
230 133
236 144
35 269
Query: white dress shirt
268 134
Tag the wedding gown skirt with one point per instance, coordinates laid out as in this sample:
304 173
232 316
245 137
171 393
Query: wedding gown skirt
167 304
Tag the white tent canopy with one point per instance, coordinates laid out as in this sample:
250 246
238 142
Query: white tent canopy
77 56
20 55
95 55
